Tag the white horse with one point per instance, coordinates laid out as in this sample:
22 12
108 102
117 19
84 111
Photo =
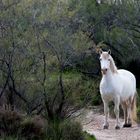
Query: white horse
118 86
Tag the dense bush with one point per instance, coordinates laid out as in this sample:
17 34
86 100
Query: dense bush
10 122
33 128
138 105
72 131
20 126
14 126
80 89
42 42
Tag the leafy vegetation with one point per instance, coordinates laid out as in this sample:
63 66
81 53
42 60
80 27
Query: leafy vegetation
89 137
48 60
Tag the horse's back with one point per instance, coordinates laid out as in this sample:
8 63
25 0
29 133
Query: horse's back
128 76
128 81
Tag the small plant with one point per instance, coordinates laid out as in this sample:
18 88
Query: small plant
64 130
72 131
88 136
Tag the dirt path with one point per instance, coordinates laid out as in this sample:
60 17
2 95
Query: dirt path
93 123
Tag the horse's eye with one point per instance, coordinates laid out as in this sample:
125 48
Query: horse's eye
108 59
100 59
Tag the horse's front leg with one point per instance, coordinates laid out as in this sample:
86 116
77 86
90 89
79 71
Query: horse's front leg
116 110
106 112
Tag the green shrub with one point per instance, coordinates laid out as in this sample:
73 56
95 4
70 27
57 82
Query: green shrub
9 122
138 104
53 130
64 130
80 90
72 131
89 137
138 114
10 138
14 125
33 128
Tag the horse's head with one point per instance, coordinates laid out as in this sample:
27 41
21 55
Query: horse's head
105 61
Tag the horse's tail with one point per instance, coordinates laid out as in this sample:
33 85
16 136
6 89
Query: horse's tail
134 107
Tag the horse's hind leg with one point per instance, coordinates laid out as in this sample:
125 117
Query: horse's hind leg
129 117
106 112
124 107
129 124
127 113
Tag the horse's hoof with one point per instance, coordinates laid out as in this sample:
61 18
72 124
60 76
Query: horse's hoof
106 126
117 127
127 125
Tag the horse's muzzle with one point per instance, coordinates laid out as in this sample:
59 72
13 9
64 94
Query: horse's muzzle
104 71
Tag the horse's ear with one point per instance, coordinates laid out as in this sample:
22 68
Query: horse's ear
109 51
100 51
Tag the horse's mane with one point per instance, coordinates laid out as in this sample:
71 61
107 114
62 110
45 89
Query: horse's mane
112 65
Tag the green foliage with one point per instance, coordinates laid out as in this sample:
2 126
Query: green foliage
31 128
54 130
10 122
72 131
79 89
18 126
38 128
66 130
138 114
63 31
138 105
89 137
9 138
71 27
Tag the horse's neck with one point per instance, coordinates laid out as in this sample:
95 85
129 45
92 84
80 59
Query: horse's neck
108 76
113 66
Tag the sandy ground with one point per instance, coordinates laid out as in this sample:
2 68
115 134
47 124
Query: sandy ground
92 122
